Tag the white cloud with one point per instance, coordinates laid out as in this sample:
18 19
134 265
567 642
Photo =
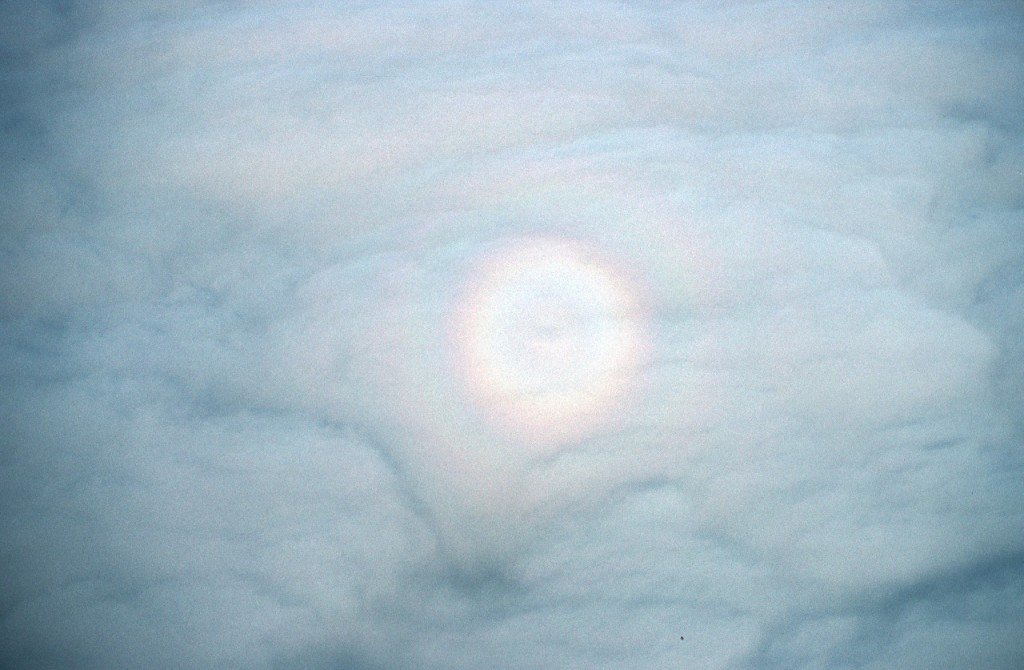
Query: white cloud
279 282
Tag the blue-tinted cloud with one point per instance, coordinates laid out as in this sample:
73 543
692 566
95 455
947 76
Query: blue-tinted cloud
453 335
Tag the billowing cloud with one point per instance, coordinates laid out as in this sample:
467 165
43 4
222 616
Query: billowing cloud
512 335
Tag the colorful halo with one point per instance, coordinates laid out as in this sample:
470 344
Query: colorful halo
548 337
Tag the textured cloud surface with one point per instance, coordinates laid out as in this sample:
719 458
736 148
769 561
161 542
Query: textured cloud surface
512 335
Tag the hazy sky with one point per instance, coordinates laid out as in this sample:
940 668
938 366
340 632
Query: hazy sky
512 335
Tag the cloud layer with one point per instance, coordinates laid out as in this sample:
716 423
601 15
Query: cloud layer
510 335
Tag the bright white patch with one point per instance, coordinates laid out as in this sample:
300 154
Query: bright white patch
548 339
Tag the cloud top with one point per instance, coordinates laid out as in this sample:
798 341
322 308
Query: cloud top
453 335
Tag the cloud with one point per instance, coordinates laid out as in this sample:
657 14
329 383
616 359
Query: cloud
459 336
